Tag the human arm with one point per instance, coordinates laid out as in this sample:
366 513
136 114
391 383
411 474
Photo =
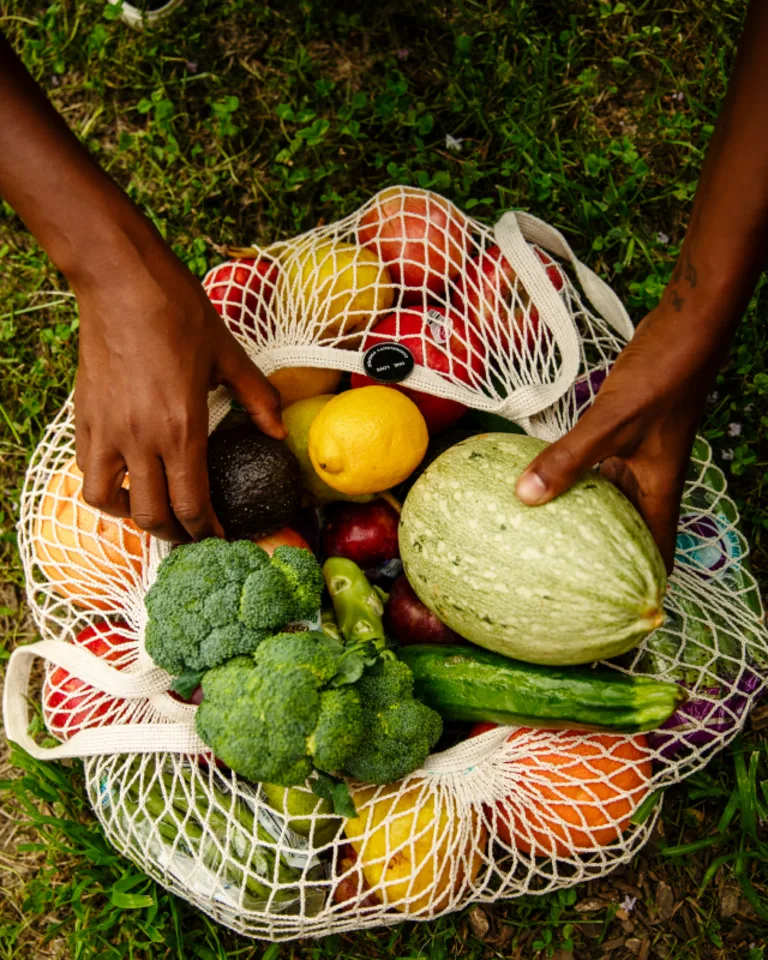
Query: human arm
151 344
642 424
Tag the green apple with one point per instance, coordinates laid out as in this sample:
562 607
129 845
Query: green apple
297 419
298 804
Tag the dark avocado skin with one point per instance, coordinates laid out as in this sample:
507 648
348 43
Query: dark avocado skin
255 481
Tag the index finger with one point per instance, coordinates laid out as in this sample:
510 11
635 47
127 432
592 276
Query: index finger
189 489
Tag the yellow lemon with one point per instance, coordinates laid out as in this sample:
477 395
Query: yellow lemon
338 286
298 383
297 419
367 440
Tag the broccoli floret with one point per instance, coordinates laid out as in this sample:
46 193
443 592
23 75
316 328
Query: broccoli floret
215 600
311 651
266 600
399 730
339 728
272 717
305 576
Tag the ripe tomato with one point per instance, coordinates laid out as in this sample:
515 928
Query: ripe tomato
240 290
71 704
441 341
574 792
418 236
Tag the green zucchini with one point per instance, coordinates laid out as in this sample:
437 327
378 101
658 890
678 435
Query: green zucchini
466 683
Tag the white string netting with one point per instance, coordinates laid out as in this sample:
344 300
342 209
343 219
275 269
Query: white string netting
504 812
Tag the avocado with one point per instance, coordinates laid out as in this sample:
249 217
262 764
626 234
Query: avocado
255 481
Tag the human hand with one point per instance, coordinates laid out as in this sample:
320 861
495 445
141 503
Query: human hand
640 427
151 347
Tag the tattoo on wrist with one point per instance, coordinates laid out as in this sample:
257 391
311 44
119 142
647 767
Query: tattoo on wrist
686 270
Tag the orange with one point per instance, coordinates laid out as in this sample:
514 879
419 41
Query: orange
84 554
573 792
299 383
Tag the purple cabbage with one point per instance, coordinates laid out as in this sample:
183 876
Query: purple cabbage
585 389
700 722
706 545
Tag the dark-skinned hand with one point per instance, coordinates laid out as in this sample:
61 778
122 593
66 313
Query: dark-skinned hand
151 347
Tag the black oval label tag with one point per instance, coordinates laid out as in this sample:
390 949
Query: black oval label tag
388 362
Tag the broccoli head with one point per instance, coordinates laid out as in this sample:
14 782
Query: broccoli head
215 600
275 716
399 730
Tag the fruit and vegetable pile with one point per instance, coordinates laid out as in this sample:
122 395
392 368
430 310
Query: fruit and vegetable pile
392 689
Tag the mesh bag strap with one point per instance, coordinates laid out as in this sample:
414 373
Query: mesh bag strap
600 295
112 739
514 233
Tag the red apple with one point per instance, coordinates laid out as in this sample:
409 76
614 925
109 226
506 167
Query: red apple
485 294
71 704
363 532
419 236
554 272
440 341
283 538
409 621
241 290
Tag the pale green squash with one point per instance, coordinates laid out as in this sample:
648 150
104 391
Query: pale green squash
575 580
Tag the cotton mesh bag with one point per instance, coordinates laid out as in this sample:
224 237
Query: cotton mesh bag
502 321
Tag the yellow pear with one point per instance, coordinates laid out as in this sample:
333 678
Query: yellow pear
335 286
414 848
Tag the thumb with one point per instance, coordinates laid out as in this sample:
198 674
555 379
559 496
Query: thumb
559 466
254 392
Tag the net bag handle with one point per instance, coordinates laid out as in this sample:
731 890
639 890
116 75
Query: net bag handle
514 234
177 736
599 293
172 737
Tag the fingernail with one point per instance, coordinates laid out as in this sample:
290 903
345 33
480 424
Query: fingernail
531 489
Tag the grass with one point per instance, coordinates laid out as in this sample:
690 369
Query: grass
238 121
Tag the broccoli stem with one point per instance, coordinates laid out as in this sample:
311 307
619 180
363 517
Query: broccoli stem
357 604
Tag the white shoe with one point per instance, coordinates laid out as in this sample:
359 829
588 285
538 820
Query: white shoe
143 13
